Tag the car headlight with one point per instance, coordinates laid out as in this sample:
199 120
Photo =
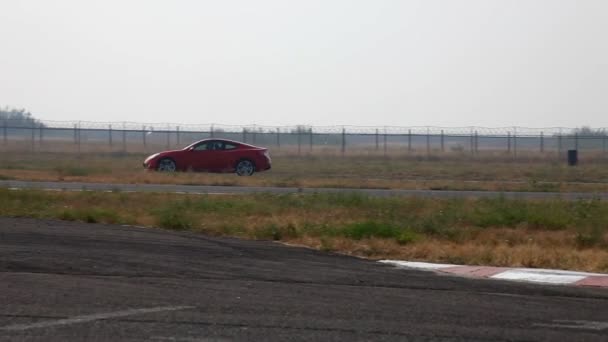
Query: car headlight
151 157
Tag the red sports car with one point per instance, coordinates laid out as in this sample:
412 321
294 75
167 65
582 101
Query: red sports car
212 155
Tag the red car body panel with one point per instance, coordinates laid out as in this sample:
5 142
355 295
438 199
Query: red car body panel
213 155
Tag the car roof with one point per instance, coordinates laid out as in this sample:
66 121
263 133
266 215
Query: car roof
224 140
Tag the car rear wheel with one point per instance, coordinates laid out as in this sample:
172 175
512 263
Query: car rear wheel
245 168
166 165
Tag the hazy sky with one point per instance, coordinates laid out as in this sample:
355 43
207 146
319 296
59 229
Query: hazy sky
321 62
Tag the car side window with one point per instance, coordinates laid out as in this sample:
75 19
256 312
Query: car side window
210 146
201 147
229 146
216 145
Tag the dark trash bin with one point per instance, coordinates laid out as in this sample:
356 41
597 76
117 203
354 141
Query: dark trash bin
572 157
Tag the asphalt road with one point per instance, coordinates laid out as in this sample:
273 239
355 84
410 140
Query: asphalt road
212 189
66 281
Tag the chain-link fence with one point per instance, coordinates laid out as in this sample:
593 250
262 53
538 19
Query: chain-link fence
130 137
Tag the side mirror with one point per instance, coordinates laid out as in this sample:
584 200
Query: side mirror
190 149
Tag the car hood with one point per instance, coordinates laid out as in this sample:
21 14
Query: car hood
160 154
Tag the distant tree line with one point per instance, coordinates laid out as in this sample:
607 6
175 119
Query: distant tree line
587 131
18 118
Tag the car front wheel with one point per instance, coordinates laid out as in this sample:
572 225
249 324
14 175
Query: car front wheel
166 165
245 168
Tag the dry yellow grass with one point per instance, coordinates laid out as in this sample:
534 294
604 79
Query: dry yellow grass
548 234
533 250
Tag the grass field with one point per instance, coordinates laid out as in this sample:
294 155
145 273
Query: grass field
500 232
451 172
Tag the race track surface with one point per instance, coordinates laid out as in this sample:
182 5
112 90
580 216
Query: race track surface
66 281
214 189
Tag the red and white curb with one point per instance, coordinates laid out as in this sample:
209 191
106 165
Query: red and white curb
532 275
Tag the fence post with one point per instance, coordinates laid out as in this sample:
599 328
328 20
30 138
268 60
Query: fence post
377 140
78 138
559 145
409 140
343 141
576 141
33 130
211 133
254 135
385 143
515 143
471 142
143 136
124 138
110 135
244 134
311 137
604 142
476 143
168 137
75 134
5 131
299 140
509 143
442 142
178 136
41 135
278 138
542 142
428 142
